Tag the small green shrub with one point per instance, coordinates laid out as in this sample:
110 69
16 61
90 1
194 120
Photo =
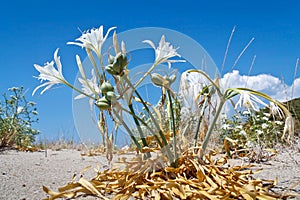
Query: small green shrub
249 130
16 118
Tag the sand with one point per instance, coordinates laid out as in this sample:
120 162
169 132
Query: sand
22 174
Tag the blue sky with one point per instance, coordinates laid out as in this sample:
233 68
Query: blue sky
30 32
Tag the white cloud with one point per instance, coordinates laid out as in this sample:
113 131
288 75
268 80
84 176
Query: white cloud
265 83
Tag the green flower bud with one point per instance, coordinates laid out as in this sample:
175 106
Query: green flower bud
172 79
119 63
158 80
110 70
123 60
117 66
103 104
106 87
111 96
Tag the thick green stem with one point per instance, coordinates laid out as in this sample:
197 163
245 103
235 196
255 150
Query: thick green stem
138 126
146 125
129 131
212 125
174 163
162 136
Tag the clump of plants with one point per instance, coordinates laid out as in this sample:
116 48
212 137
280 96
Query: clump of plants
249 129
17 115
166 166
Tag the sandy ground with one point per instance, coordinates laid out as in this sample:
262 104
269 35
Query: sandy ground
22 174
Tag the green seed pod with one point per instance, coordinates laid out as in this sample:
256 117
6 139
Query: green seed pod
119 63
106 87
123 60
111 96
117 66
103 103
110 70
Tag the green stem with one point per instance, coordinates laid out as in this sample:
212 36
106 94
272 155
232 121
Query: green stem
138 126
212 125
174 163
79 91
165 143
129 131
148 111
146 125
145 75
199 122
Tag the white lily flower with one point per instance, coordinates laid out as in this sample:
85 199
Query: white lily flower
274 110
89 86
93 39
249 100
164 51
191 85
50 73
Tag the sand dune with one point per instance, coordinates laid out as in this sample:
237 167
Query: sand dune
22 174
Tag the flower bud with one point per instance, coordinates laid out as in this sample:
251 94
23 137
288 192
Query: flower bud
172 79
110 70
158 80
119 63
111 96
117 66
103 103
106 87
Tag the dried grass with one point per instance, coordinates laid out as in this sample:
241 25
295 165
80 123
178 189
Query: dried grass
211 178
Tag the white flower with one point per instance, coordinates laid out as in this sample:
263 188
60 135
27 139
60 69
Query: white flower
259 132
164 51
226 126
248 100
13 89
89 86
267 114
249 144
191 85
246 112
264 126
19 109
242 132
265 118
274 110
93 39
278 122
50 73
239 127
